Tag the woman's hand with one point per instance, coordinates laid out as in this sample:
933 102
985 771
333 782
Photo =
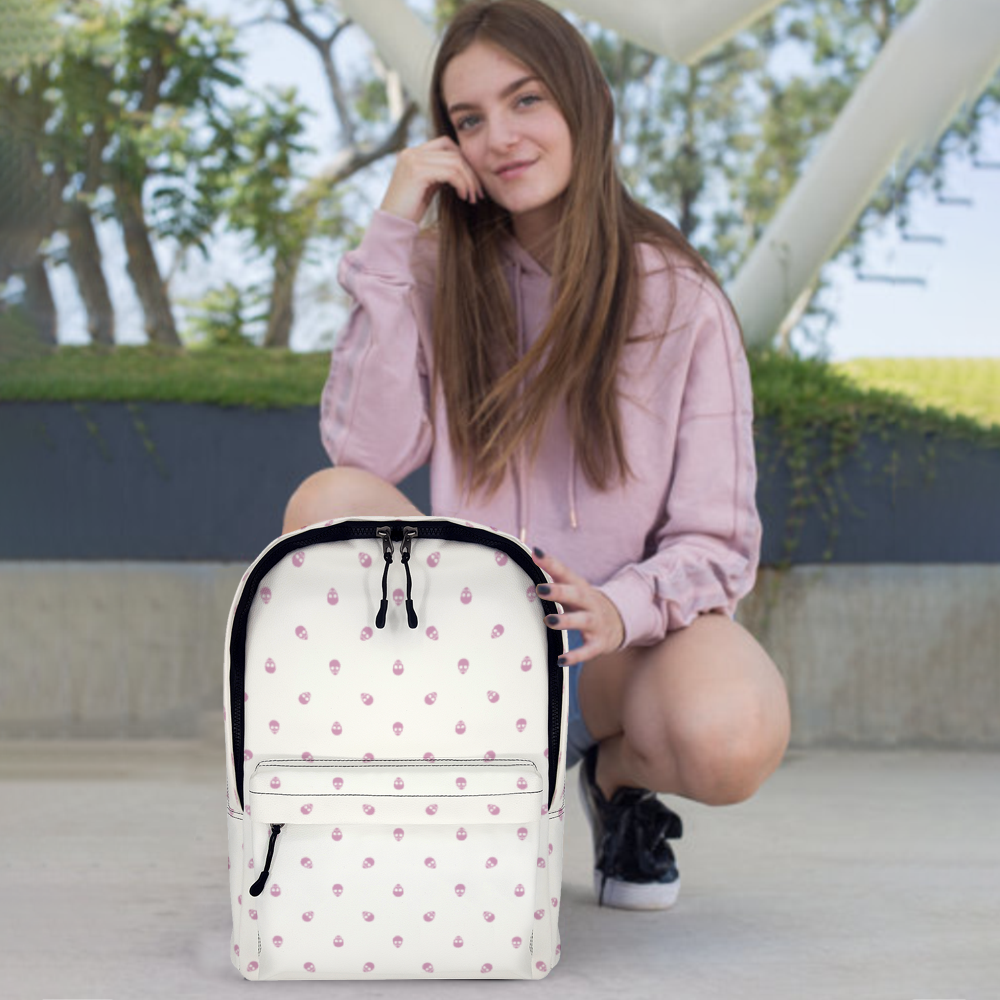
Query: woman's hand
421 170
587 610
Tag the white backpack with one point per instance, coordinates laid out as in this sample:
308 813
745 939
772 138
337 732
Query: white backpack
396 747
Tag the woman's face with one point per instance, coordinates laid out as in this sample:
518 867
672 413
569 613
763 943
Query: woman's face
498 123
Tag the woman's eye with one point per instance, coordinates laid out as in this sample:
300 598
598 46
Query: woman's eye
460 126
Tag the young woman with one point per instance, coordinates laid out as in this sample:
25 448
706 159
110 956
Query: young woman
544 307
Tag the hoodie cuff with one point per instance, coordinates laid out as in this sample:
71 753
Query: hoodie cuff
629 593
387 245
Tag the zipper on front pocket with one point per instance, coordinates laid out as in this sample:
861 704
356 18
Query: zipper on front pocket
258 887
400 867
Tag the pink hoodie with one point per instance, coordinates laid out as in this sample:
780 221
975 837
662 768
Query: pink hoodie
681 540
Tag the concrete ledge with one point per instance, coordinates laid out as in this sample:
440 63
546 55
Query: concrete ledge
873 655
112 650
879 656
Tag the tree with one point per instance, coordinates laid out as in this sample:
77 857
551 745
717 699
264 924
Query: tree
374 122
116 124
28 198
175 59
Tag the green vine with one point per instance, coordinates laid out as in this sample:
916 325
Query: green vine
821 420
765 598
93 430
147 441
43 433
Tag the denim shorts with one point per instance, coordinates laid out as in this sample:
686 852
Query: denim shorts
578 739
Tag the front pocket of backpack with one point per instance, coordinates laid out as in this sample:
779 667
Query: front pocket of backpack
395 868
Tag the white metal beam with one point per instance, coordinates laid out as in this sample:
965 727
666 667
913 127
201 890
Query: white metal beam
683 30
937 61
401 39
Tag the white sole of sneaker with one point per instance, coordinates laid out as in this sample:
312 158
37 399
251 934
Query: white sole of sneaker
629 895
637 895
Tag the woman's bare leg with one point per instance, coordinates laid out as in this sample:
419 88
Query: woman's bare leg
703 714
341 492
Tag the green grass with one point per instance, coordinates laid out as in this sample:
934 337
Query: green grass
807 393
958 397
243 376
968 387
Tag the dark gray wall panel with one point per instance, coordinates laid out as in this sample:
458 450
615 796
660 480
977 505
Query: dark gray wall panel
170 481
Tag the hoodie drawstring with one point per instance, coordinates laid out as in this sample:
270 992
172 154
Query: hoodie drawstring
522 493
518 257
572 484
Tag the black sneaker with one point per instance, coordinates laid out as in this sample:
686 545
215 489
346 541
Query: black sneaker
634 866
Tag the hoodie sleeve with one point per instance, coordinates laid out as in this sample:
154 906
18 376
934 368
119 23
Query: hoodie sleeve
708 544
374 409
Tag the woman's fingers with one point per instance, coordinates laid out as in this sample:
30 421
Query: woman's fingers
452 149
467 186
465 180
421 170
449 164
556 569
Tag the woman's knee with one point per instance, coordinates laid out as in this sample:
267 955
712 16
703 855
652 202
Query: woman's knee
713 704
315 497
340 491
724 756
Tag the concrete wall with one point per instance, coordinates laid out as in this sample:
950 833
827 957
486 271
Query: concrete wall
873 655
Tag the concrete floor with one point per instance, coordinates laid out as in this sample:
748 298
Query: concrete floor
850 874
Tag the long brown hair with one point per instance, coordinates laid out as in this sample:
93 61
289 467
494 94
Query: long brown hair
595 274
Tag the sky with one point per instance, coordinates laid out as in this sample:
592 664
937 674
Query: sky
955 313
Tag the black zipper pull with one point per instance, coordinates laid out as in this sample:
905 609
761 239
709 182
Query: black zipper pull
409 532
386 535
258 887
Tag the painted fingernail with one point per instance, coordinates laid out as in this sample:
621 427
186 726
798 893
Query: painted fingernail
561 661
543 588
539 554
552 620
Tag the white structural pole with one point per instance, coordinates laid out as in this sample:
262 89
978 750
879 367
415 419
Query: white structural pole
402 40
683 30
936 62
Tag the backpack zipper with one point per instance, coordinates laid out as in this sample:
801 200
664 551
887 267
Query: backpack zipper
409 533
385 533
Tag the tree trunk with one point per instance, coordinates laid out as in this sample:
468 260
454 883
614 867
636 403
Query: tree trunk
143 268
282 310
85 261
39 303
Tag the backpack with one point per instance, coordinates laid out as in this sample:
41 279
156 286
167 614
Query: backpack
395 774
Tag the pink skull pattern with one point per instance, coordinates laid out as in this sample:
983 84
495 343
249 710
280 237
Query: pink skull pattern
332 694
509 862
356 661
